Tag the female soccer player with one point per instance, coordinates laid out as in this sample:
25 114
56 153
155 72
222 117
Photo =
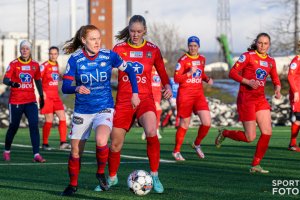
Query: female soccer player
142 55
189 73
53 104
19 76
294 82
251 71
91 68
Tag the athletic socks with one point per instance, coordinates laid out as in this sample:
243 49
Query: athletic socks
46 131
73 168
101 156
114 160
153 152
202 132
180 134
62 129
294 133
261 148
235 135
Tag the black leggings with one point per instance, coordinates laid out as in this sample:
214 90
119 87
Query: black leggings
15 114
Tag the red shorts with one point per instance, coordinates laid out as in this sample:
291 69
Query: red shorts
294 105
157 94
185 106
125 115
247 106
52 105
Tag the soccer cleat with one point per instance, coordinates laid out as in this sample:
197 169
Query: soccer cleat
102 182
69 191
220 138
294 148
158 134
198 150
6 156
38 158
178 156
258 169
157 186
46 147
143 136
64 146
110 182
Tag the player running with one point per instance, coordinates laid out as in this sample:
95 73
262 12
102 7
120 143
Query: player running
294 82
251 71
142 55
91 68
53 104
19 76
157 95
189 73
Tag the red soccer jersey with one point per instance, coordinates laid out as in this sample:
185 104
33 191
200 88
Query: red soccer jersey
142 58
190 86
294 75
50 77
156 83
252 65
23 73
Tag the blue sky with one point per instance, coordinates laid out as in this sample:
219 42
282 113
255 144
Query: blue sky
192 17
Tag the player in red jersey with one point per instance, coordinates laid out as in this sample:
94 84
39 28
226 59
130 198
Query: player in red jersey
156 91
189 73
251 71
142 55
294 82
20 75
53 104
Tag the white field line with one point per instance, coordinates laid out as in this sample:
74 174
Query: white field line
93 152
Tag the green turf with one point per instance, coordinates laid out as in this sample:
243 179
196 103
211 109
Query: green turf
223 174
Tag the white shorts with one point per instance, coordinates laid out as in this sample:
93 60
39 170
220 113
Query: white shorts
82 124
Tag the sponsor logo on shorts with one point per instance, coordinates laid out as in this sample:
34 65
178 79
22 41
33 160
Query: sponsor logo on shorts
105 111
77 120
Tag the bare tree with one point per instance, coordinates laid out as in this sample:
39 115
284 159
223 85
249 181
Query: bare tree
167 38
285 32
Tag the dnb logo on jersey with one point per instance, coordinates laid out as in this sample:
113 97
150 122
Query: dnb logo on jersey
197 74
260 74
54 76
138 68
25 77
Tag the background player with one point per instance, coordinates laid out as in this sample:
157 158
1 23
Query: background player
19 76
294 82
53 104
189 73
91 68
251 71
142 55
156 91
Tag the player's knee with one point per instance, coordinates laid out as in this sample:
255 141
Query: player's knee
251 137
116 147
150 132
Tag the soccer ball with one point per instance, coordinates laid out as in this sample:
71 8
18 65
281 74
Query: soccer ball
140 182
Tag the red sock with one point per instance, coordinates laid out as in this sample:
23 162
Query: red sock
179 138
261 148
235 135
202 132
46 131
158 114
166 120
177 120
153 152
294 133
74 168
62 129
101 156
114 159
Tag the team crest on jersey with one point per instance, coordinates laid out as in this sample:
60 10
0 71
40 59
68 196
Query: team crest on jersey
26 68
136 54
102 64
178 66
25 77
54 76
137 67
149 54
196 63
293 66
156 79
197 73
263 63
260 74
242 58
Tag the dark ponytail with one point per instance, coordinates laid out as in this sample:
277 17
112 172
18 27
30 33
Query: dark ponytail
124 34
74 43
253 46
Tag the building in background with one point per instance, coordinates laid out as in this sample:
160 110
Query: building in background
100 15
